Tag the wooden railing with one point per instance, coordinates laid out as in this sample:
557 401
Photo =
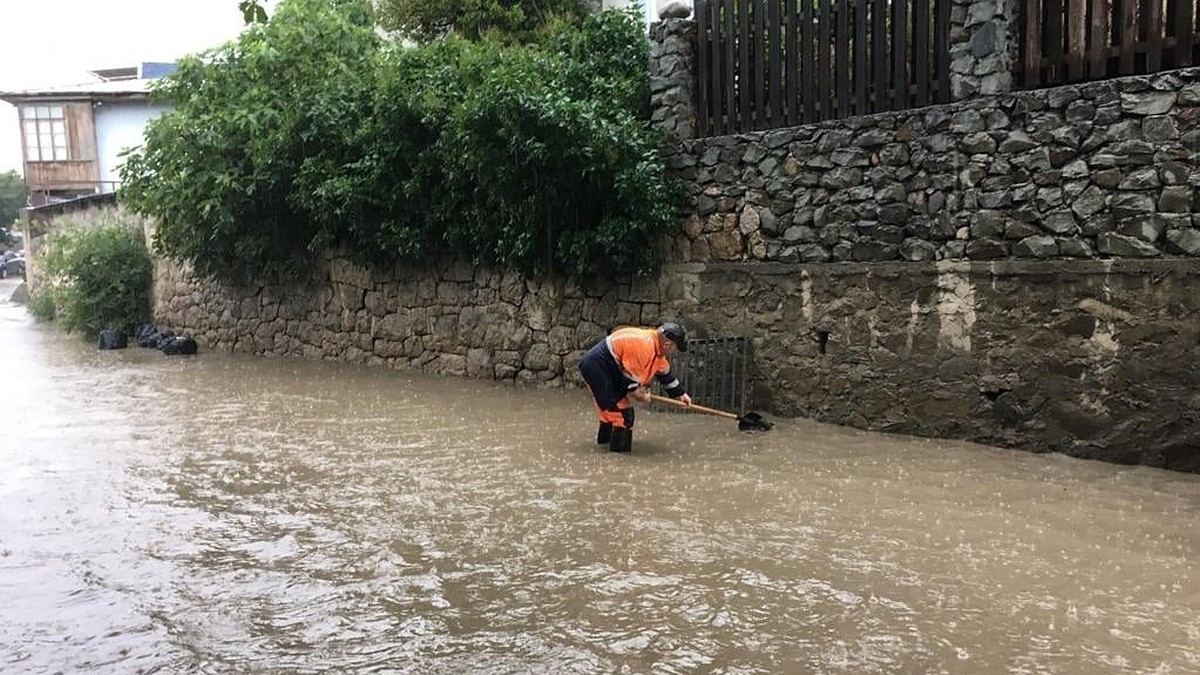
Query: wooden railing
1074 40
765 64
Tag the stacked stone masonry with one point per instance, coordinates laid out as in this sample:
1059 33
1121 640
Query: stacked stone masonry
1105 169
1091 358
450 318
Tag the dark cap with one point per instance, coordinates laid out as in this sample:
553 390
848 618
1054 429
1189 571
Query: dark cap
674 333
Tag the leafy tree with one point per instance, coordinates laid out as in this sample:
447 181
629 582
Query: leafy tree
219 170
527 157
426 20
310 132
12 200
252 11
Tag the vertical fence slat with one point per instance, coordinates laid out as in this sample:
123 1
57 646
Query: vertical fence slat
900 55
1054 41
806 59
1101 34
702 68
792 117
714 64
824 86
1185 27
743 69
775 93
942 40
841 57
729 45
1128 34
879 56
1076 30
1154 35
1033 42
758 62
860 57
921 49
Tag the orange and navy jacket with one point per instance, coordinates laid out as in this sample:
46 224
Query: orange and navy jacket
640 358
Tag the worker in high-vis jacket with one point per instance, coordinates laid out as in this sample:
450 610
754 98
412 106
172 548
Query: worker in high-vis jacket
620 367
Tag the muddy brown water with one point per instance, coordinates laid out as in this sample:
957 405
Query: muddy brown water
236 514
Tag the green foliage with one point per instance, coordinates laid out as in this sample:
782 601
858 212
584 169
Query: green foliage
428 20
96 277
41 304
252 11
12 200
309 132
219 170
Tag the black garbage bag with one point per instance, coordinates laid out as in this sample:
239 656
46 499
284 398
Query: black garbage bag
112 339
157 340
179 346
144 335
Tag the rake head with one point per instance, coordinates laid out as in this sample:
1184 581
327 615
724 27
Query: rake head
752 421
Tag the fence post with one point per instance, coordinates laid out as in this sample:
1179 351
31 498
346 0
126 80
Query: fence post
31 248
984 46
673 79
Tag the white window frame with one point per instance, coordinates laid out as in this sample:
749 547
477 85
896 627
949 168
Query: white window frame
45 133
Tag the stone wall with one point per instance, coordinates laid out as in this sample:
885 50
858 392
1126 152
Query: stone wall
1097 359
1100 170
1091 358
673 81
449 318
984 45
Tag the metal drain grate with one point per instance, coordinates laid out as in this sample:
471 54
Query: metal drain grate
714 370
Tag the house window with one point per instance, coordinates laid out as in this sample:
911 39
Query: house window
45 133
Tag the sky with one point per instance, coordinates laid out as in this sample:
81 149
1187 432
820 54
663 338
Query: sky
53 42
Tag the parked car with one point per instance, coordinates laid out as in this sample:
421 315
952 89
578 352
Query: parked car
12 264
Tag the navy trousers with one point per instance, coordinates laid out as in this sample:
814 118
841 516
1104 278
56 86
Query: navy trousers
608 384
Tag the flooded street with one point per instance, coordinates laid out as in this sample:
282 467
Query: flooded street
234 514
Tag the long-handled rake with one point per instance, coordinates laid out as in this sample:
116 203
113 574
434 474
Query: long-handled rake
751 421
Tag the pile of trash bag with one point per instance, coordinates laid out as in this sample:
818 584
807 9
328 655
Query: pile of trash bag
149 336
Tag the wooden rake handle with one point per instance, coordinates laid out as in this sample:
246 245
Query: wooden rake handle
697 408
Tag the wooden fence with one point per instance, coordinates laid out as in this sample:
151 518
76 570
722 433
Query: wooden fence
1074 40
765 64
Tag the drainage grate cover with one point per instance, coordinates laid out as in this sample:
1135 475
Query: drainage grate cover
714 370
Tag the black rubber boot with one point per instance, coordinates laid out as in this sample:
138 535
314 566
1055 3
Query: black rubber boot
622 440
604 434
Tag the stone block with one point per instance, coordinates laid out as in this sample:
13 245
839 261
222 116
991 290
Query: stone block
1183 242
1147 227
1120 245
985 249
1176 199
1037 246
1148 102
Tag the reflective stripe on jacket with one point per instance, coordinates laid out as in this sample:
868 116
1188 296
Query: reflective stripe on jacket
637 352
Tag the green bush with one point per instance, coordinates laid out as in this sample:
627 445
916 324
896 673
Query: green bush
310 131
219 171
95 277
41 304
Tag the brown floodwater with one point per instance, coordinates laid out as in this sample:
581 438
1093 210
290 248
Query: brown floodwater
236 514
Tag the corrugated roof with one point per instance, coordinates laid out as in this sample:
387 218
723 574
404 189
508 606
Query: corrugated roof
85 90
124 82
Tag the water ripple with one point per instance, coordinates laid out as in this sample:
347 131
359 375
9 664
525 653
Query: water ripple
230 514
